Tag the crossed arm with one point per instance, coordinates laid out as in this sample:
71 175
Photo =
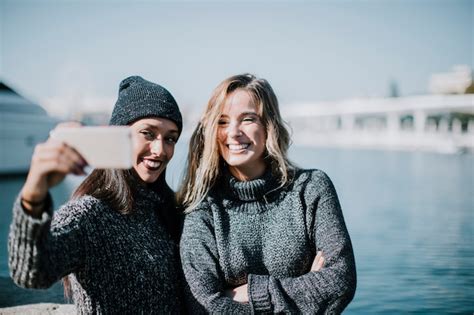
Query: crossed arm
239 294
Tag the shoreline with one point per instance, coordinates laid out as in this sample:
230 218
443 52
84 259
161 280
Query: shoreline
40 308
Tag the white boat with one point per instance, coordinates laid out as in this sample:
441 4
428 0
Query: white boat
23 124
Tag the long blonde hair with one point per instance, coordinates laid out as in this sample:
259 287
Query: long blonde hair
204 163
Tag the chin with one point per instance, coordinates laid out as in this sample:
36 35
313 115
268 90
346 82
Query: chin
148 178
238 161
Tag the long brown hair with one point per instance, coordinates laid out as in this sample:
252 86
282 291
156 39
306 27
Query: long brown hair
114 187
111 186
204 161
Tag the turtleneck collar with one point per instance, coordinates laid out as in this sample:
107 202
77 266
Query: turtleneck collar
154 193
251 190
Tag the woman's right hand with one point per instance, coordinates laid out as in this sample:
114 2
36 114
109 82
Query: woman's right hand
318 262
50 163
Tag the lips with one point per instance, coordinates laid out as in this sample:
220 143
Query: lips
152 165
238 147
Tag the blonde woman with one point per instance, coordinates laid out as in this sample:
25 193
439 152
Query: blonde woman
256 225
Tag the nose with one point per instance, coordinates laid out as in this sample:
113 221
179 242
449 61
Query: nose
157 147
233 130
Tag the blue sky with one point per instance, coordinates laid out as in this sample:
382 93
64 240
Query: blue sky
308 50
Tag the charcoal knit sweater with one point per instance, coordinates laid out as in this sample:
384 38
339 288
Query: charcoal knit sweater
253 232
119 264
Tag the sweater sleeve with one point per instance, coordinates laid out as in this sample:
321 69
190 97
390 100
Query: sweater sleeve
200 261
43 250
330 289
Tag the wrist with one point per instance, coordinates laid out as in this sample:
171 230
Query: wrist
34 190
33 206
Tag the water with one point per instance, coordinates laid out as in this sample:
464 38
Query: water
410 216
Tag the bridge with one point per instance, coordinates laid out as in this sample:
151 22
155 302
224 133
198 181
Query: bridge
442 123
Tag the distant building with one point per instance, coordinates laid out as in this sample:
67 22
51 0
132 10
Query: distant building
23 124
441 122
86 109
458 81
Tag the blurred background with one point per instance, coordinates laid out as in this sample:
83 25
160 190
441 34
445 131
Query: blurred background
377 93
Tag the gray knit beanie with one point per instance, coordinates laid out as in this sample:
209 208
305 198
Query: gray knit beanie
139 98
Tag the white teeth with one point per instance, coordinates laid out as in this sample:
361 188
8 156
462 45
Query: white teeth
236 147
152 164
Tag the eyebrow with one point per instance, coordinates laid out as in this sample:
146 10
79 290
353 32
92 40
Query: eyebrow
146 125
242 114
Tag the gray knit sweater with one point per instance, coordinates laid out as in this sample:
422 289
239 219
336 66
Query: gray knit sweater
251 232
119 264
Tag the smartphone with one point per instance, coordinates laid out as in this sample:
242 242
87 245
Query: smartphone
101 147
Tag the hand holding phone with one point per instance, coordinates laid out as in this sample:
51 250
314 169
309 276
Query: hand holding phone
102 147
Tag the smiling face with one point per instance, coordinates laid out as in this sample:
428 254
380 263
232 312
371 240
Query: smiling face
241 136
153 146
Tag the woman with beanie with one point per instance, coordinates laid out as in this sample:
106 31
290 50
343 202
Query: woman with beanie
115 240
256 224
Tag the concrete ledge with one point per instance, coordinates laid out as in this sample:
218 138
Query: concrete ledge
41 309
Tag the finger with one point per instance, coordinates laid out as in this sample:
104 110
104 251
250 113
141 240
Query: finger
76 157
46 152
44 156
316 259
57 159
68 124
318 255
50 160
73 162
71 152
320 264
81 158
315 265
64 165
54 150
51 146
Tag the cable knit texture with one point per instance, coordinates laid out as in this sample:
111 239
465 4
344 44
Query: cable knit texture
119 264
256 233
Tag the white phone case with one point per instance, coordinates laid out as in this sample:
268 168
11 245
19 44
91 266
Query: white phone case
101 147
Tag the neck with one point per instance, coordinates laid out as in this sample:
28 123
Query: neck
144 184
250 190
244 174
